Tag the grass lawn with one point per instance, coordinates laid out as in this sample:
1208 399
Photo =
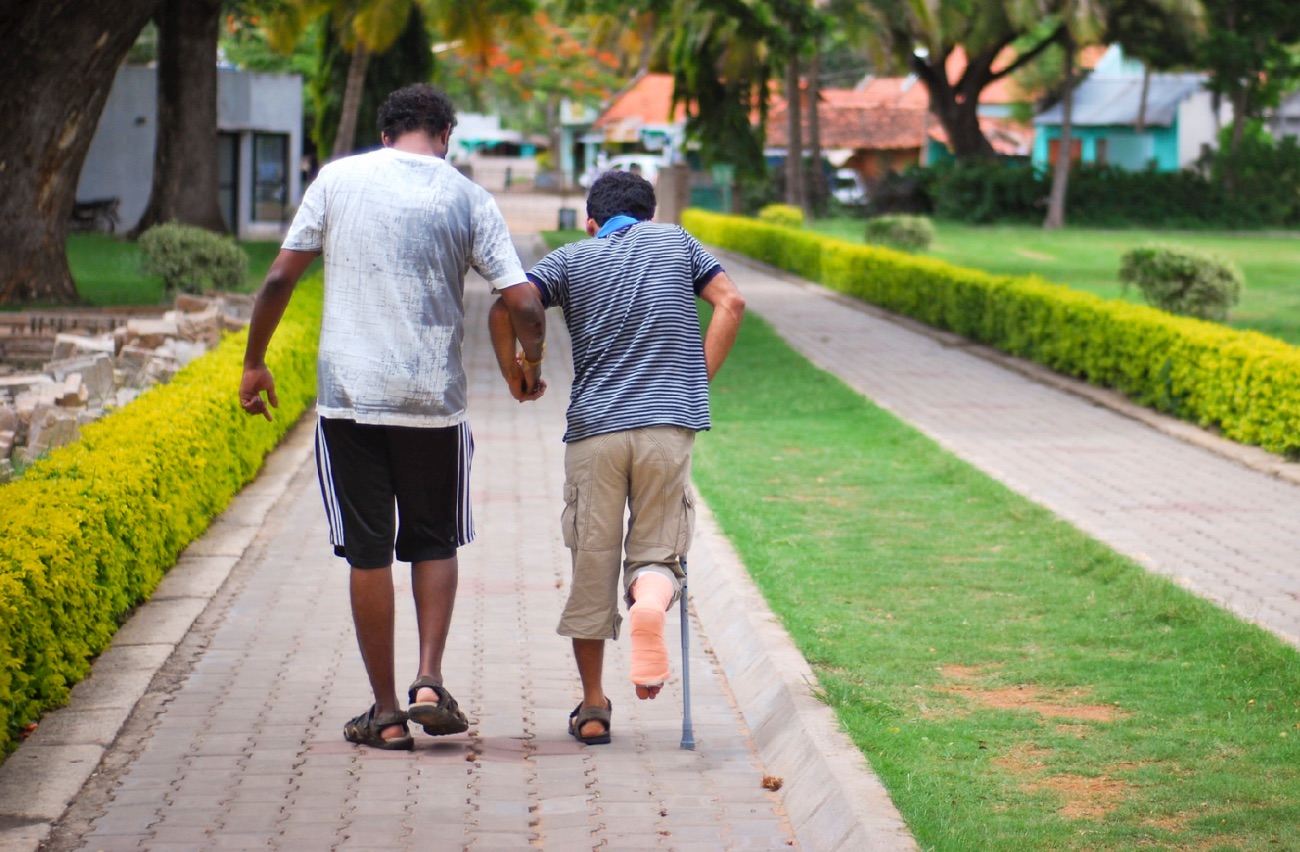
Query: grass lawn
1014 683
107 270
1089 260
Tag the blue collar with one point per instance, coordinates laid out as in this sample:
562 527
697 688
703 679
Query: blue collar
614 224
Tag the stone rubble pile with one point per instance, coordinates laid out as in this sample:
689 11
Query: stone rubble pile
90 376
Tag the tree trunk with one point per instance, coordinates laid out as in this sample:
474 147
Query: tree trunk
185 170
815 196
1061 174
794 195
1234 141
346 137
58 65
1140 126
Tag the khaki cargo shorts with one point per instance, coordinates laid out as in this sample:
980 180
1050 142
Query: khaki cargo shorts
643 476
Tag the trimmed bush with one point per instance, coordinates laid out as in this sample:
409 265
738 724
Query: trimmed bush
90 529
786 215
905 233
192 260
1183 281
1241 382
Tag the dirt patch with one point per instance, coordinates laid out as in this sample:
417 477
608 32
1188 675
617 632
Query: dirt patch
1033 255
1082 797
1058 704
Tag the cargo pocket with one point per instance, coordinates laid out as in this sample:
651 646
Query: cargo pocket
686 527
569 517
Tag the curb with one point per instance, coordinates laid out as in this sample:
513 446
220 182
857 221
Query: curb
39 781
830 794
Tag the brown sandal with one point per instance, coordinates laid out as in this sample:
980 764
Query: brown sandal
368 729
439 719
582 715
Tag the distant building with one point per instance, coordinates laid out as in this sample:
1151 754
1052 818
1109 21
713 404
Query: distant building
259 129
1178 122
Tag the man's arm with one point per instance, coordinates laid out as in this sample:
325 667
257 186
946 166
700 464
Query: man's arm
728 310
518 317
269 307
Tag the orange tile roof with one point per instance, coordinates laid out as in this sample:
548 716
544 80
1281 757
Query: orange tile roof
648 99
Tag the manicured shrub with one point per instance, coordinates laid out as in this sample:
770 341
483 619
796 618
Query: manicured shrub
91 528
785 215
905 233
1241 382
1183 281
192 260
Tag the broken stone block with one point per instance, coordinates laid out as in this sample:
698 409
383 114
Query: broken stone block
201 327
50 428
7 440
96 374
161 368
71 345
237 306
24 382
124 396
132 361
189 303
6 470
150 333
73 393
8 419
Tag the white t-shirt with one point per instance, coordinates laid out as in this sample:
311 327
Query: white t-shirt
398 233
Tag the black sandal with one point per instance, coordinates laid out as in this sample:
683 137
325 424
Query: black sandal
368 728
582 715
438 719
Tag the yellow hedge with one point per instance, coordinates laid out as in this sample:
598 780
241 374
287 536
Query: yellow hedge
1243 383
87 532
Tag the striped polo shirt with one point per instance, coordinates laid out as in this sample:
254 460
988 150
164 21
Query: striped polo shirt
629 303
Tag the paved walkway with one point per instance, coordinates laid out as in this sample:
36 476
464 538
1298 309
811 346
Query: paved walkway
213 722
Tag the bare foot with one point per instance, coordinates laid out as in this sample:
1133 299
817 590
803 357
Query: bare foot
643 692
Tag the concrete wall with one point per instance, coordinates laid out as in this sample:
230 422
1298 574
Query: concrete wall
120 160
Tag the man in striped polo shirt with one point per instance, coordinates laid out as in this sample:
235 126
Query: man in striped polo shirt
640 393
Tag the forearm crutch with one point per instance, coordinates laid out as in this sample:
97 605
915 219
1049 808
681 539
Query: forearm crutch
688 731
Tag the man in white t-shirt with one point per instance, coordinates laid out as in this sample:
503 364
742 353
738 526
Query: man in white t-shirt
398 229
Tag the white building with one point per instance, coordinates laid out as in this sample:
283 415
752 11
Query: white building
259 123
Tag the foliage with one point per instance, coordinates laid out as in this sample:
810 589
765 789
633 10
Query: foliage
902 232
786 215
89 530
1265 174
1183 281
987 192
191 259
1242 383
519 75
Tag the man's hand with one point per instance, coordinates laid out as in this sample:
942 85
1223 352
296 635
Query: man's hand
256 380
525 382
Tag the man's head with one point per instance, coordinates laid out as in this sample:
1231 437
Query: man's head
414 108
620 194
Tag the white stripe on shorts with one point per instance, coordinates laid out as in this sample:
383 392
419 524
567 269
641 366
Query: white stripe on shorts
333 511
465 512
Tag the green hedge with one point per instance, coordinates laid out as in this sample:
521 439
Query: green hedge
87 532
1243 383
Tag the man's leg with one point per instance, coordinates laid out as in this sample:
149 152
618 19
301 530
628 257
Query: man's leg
590 656
433 583
372 614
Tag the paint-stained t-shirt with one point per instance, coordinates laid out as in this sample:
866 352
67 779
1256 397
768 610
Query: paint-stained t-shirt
629 303
398 233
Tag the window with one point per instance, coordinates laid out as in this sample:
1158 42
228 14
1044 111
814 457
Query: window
270 177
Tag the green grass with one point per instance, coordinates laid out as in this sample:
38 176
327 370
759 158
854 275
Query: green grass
1089 260
1015 684
107 270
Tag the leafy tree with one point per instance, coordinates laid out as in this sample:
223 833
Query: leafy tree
185 171
58 65
1250 49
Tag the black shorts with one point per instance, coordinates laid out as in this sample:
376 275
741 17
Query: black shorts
364 469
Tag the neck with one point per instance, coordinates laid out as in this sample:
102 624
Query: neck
419 142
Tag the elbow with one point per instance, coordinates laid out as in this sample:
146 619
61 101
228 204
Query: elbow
735 305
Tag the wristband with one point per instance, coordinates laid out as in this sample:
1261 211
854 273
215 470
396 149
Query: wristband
523 359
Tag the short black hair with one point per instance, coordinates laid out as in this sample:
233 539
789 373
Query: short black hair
620 193
418 106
